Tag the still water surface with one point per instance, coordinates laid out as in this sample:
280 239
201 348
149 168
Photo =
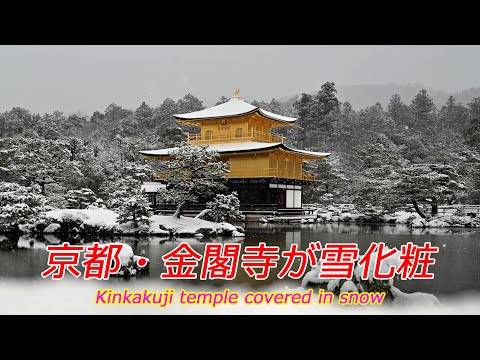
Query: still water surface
457 266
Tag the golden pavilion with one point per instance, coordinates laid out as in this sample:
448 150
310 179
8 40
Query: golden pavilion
266 173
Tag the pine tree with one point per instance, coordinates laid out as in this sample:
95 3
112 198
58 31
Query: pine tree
15 122
19 204
432 183
36 161
315 115
399 112
73 125
144 116
222 100
472 132
189 103
194 175
80 199
135 209
163 115
118 190
423 110
453 116
225 208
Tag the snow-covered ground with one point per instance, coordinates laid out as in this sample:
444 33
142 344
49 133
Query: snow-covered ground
399 217
94 217
104 220
186 226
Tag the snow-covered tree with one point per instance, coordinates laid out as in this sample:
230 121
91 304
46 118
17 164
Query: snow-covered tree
194 175
123 182
315 114
395 187
163 115
19 204
423 109
55 195
30 161
143 114
331 181
134 209
73 125
475 187
49 125
137 171
224 208
472 131
471 174
432 183
345 131
115 113
14 122
453 116
373 188
376 150
399 112
189 103
168 136
118 191
222 100
80 199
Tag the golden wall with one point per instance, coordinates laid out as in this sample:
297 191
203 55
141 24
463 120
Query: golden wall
279 164
250 127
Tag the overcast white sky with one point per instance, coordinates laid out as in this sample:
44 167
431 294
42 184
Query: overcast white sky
88 78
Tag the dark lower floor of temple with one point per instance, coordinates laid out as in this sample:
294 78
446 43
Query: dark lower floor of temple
263 194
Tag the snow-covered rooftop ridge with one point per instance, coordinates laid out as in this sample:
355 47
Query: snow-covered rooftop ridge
276 116
239 147
234 107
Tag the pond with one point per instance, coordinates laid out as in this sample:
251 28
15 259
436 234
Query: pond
457 267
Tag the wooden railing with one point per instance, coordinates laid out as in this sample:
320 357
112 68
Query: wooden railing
452 209
272 172
251 135
259 173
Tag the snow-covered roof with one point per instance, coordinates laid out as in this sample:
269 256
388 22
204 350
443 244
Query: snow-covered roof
276 116
151 187
240 147
236 106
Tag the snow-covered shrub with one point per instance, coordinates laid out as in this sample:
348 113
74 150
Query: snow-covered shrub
224 208
80 199
98 204
119 190
19 204
327 198
356 283
392 294
71 223
134 209
128 262
55 194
